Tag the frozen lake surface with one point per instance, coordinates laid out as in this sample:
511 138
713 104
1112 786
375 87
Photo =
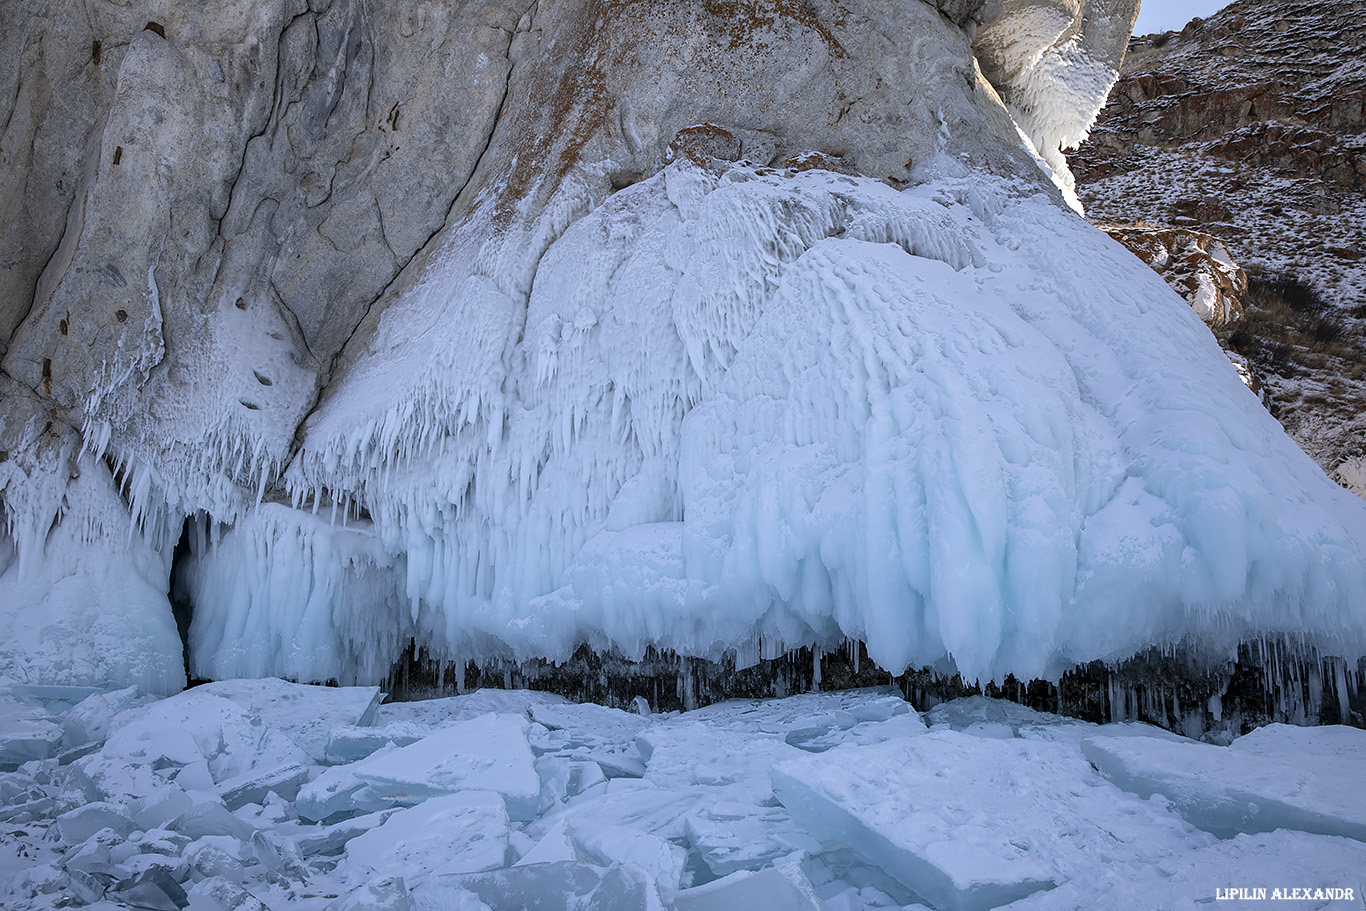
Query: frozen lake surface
251 794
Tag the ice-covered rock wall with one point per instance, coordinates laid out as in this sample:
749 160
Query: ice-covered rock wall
509 326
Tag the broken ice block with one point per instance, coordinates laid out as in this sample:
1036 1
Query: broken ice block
971 823
455 833
305 713
555 885
766 890
489 753
1258 784
733 837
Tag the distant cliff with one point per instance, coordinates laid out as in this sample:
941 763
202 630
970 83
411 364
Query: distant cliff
1251 125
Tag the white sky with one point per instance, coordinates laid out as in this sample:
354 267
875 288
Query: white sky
1166 15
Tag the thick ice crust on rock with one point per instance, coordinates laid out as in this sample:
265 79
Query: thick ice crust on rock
723 406
799 407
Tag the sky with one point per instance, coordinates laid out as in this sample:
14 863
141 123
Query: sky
1166 15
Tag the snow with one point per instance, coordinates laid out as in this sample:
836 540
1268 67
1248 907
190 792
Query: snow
1274 778
991 803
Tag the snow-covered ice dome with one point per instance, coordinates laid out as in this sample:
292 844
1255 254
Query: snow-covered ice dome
953 421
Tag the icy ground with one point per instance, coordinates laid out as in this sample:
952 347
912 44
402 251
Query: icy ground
257 794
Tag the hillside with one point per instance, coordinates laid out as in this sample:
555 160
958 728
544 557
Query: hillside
1251 126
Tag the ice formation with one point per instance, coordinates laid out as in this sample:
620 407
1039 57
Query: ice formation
640 389
794 408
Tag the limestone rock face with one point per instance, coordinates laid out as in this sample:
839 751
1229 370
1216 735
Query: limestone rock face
1054 62
204 217
198 212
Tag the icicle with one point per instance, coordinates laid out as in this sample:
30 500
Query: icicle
815 668
1340 687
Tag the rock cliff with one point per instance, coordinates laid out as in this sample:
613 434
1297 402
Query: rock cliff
1251 126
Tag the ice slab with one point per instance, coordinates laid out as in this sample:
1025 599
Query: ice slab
307 714
1257 784
765 890
563 886
435 714
90 719
455 833
387 894
332 839
1284 860
196 725
75 826
685 753
658 858
733 837
347 744
338 791
562 779
970 823
488 753
26 733
253 786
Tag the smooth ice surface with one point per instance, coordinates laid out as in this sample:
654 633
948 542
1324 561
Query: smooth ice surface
758 409
457 833
971 823
1277 779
